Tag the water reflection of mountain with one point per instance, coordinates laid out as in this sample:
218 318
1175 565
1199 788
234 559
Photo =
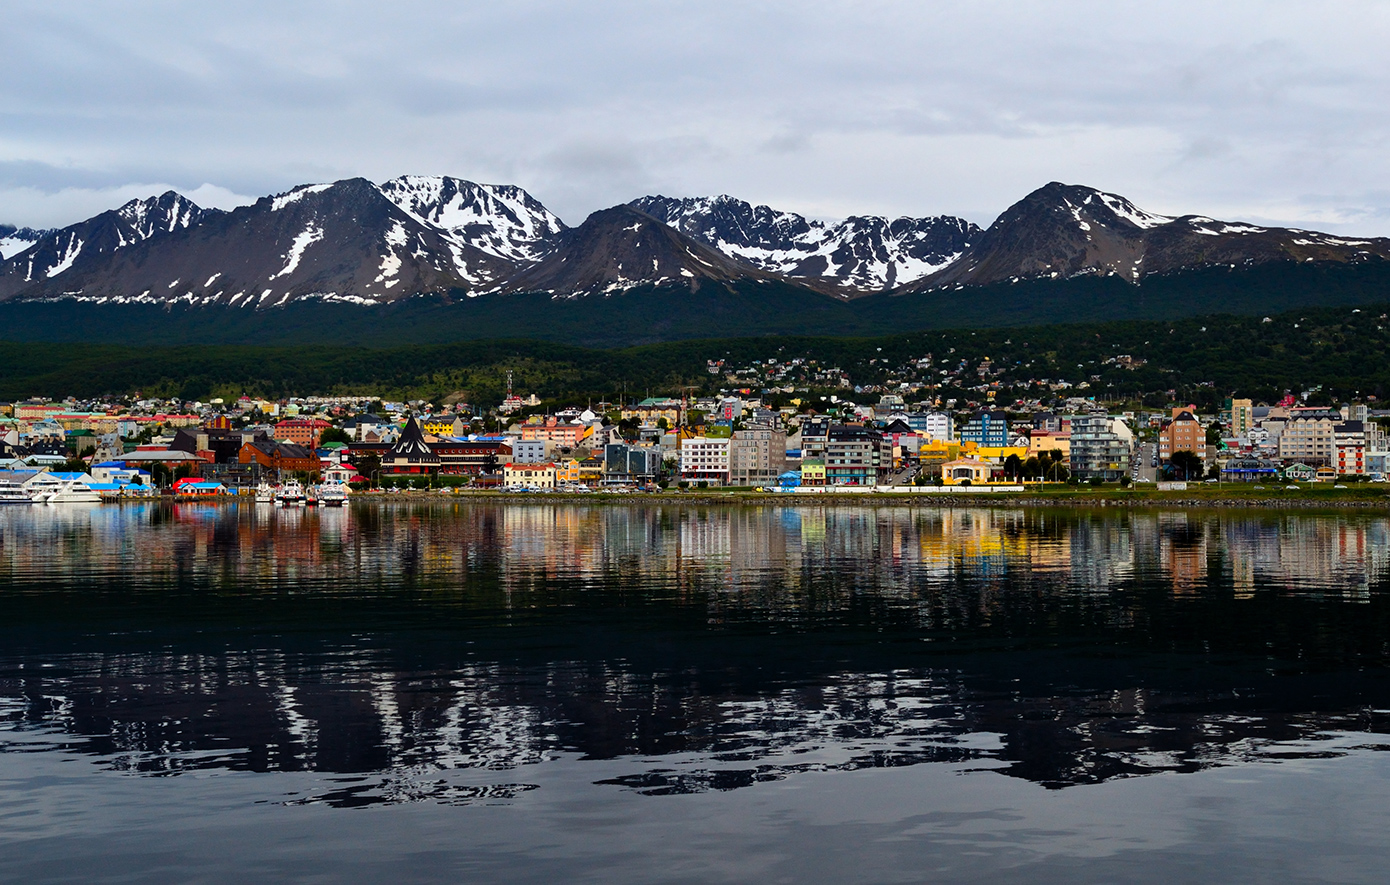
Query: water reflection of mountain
719 646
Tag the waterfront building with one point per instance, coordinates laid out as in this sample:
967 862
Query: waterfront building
705 459
965 471
1100 447
625 463
1309 436
410 453
1181 433
1349 448
530 476
855 456
757 456
566 435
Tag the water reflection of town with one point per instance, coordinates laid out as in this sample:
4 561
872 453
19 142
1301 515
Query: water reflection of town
346 705
770 550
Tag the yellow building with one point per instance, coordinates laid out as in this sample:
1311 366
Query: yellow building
1042 441
445 425
531 476
813 472
997 455
938 451
651 410
965 471
591 471
1242 416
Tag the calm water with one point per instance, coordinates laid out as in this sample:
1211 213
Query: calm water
650 693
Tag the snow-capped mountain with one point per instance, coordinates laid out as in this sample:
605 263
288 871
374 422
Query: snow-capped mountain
1061 231
89 243
340 241
365 243
14 240
619 248
350 240
859 254
500 219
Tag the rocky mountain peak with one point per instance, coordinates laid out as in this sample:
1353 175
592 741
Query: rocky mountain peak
622 247
859 254
499 219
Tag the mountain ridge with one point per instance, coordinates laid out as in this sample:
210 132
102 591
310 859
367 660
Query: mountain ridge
862 252
365 243
1062 230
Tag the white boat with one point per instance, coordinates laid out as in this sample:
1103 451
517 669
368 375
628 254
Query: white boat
14 493
74 491
332 494
291 494
265 493
43 487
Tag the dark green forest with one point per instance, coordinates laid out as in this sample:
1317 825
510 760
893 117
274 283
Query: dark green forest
648 315
1338 353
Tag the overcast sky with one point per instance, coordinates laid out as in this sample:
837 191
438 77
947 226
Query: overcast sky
1262 111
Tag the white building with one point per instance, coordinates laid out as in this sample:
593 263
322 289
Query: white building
533 451
934 426
705 459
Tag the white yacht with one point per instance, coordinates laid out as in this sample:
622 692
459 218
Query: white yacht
43 487
332 494
265 493
291 494
74 491
14 493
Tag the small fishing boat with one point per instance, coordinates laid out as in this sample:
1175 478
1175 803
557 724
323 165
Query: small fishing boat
265 493
332 494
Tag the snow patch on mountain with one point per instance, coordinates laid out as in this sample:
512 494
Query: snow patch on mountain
306 238
280 201
1128 211
501 220
69 255
14 240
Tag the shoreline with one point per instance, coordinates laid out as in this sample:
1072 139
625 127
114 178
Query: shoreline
1306 498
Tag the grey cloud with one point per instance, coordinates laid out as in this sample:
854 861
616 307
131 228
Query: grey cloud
1245 108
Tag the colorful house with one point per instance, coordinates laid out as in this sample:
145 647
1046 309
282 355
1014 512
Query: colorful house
529 476
965 471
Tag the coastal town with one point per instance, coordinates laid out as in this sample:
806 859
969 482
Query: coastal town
792 426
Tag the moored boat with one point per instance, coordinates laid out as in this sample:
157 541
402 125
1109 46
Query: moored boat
14 493
265 493
332 494
74 491
291 494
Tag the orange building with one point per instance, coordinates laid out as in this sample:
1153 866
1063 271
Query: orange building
301 431
279 456
564 435
1182 433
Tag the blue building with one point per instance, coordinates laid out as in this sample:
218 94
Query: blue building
986 428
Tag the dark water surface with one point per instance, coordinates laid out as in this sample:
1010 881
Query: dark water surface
651 693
